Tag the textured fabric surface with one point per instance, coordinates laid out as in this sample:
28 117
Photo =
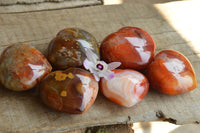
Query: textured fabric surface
13 2
11 6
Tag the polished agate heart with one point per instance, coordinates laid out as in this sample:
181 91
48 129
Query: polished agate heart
67 49
22 67
71 91
171 73
127 88
131 46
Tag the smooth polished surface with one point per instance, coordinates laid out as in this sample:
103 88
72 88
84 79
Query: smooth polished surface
67 49
71 91
127 88
22 67
38 28
171 73
131 46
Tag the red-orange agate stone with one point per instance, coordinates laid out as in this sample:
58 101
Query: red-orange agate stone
131 46
171 73
22 67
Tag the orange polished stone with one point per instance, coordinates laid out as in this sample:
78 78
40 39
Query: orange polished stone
171 73
67 49
131 46
22 67
73 90
127 88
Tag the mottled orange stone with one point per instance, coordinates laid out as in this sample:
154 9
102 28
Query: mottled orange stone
22 67
127 88
171 73
74 94
67 49
131 46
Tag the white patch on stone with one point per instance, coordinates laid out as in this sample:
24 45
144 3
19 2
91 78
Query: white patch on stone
139 45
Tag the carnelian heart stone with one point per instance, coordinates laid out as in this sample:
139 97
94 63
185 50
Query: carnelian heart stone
22 67
171 73
71 91
131 46
127 88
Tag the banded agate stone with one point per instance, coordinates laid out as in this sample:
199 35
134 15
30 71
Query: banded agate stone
127 88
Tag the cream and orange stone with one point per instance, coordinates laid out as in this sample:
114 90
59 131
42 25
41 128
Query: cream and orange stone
127 88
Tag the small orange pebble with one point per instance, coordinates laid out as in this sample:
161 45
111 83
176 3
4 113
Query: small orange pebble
171 73
131 46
